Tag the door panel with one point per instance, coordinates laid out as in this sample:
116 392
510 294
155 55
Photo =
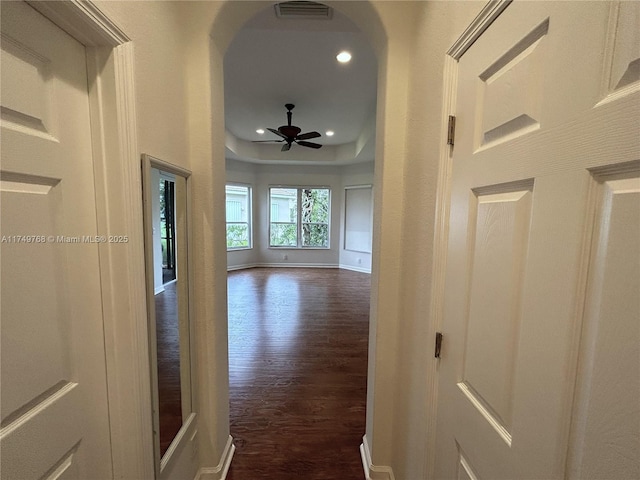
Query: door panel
624 48
506 112
531 131
465 471
53 398
605 441
499 224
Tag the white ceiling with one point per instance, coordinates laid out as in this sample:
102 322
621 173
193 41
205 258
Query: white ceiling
273 61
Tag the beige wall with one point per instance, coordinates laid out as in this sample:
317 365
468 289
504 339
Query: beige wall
179 50
159 75
160 46
439 25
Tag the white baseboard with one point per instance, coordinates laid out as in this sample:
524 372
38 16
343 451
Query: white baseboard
220 471
355 269
282 265
296 265
371 471
241 267
158 290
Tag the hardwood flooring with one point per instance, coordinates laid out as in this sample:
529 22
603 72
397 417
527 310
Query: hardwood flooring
169 397
298 368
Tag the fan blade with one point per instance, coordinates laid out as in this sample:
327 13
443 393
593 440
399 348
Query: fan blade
286 147
273 130
309 144
267 141
308 135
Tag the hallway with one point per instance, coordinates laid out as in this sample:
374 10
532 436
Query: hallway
297 372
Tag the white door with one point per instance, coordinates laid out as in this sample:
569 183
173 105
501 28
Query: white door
543 241
53 396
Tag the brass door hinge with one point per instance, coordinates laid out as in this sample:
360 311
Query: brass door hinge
438 344
451 130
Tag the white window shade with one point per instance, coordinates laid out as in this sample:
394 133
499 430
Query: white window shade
358 220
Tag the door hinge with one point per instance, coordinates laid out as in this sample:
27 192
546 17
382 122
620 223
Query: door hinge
438 344
451 130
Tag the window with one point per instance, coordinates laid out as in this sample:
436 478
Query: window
167 226
238 217
299 217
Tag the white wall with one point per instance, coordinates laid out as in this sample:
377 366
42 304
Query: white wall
439 24
159 41
261 177
270 175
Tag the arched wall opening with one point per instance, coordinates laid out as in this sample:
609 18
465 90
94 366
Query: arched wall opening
205 95
226 21
293 60
368 21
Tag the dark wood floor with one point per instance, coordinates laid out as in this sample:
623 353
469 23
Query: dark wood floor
169 397
298 367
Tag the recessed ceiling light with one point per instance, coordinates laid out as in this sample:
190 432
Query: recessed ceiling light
343 57
329 133
260 131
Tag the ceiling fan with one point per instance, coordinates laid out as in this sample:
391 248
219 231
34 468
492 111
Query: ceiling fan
291 134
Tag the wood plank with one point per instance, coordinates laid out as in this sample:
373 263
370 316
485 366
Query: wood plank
169 393
298 368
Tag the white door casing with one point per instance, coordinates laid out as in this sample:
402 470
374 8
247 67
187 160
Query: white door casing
543 239
54 396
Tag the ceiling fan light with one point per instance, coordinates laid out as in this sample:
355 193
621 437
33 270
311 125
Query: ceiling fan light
343 57
330 133
260 131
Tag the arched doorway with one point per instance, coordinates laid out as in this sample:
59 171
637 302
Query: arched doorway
206 99
278 58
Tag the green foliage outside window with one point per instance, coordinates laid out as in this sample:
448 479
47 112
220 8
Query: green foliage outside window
284 235
313 217
314 235
237 235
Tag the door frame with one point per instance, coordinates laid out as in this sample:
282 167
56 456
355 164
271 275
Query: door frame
117 177
476 28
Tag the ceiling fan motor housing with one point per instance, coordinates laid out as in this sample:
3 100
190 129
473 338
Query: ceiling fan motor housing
289 130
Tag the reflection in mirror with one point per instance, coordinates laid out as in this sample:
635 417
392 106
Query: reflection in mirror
166 250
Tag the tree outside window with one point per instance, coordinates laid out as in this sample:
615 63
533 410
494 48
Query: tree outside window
315 217
299 217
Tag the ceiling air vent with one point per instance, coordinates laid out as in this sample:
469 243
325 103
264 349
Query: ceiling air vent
301 9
